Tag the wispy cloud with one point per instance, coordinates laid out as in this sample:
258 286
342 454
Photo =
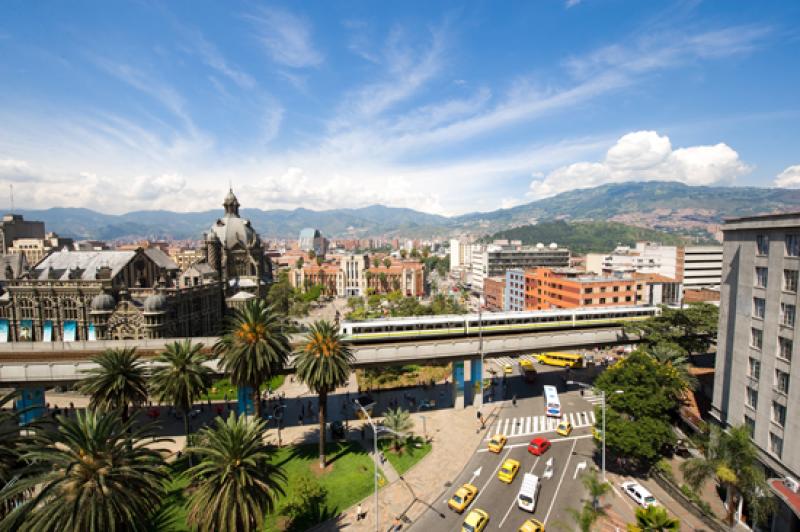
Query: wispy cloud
286 37
214 58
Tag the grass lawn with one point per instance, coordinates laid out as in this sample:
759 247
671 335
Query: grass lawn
347 481
409 454
223 387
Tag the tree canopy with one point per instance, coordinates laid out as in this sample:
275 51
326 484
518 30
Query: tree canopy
693 329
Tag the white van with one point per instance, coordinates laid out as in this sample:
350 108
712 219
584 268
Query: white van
639 494
529 492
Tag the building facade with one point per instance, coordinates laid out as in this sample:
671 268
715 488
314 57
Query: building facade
13 227
495 259
36 249
547 289
514 297
756 374
494 291
702 266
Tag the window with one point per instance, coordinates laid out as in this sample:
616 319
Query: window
785 348
759 307
790 280
787 314
752 397
761 277
778 413
615 300
793 245
616 288
602 300
756 338
775 444
754 368
762 244
587 301
781 381
750 423
588 290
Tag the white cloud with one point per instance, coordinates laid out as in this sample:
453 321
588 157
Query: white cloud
571 3
286 38
214 58
789 178
646 156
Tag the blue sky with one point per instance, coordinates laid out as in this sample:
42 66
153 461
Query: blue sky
440 106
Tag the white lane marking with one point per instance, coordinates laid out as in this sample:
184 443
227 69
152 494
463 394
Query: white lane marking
560 481
505 427
494 474
591 414
525 444
528 424
514 502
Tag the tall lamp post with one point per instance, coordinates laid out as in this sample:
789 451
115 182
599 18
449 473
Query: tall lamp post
374 458
603 433
480 341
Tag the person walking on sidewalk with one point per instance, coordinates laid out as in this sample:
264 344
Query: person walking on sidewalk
359 512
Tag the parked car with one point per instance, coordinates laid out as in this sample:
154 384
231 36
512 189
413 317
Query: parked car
639 494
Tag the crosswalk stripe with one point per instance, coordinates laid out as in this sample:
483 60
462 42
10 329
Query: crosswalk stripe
527 424
591 415
505 427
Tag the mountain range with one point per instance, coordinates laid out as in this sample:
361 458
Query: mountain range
665 206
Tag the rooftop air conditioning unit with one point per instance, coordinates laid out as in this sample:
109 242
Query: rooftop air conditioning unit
792 484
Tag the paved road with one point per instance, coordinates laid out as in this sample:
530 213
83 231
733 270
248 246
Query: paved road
563 490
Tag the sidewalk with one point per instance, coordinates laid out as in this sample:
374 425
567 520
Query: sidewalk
455 436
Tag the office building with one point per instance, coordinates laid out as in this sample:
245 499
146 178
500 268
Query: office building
494 292
514 297
311 239
702 267
493 260
36 249
757 371
547 289
13 227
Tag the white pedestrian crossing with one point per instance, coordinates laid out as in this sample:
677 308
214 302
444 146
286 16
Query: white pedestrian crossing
529 425
592 398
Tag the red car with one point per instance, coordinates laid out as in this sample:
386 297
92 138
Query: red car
538 446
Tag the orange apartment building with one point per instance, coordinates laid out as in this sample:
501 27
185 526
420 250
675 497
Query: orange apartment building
547 289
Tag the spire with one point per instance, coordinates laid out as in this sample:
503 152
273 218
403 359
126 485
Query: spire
231 205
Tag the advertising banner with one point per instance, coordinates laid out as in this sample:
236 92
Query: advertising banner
3 330
26 331
92 333
47 331
30 404
245 397
70 327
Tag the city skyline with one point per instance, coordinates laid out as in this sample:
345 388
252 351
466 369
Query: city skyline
446 109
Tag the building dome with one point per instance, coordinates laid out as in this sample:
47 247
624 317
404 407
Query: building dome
231 230
155 303
103 302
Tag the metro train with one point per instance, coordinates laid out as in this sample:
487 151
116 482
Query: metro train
411 328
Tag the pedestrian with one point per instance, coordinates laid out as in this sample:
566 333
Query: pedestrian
514 400
359 513
299 419
396 523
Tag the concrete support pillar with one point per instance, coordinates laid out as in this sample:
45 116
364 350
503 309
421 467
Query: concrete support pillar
245 398
476 373
30 404
458 383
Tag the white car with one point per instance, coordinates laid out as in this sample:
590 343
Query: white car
639 494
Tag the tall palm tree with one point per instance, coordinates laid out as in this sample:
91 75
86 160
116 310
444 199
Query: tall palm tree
398 421
12 446
117 382
254 347
586 517
654 519
731 458
676 360
596 487
235 483
323 363
180 378
89 475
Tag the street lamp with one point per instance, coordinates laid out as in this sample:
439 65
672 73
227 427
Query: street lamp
374 458
480 342
603 407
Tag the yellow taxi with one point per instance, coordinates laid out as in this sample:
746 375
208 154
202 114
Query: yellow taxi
508 369
525 364
564 428
508 471
497 443
531 525
598 434
476 521
462 497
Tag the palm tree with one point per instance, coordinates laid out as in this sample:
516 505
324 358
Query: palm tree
12 447
731 458
235 483
254 347
180 378
596 487
118 381
398 421
586 517
387 262
376 261
323 363
89 474
654 519
675 359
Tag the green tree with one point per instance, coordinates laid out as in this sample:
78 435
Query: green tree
672 357
586 517
281 293
117 382
376 262
731 459
595 487
382 278
323 363
693 328
654 519
415 253
312 254
180 378
403 254
387 262
399 422
299 263
12 447
89 474
396 284
426 251
235 483
254 347
319 260
306 502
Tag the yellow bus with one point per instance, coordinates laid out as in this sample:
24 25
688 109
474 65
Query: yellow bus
565 360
